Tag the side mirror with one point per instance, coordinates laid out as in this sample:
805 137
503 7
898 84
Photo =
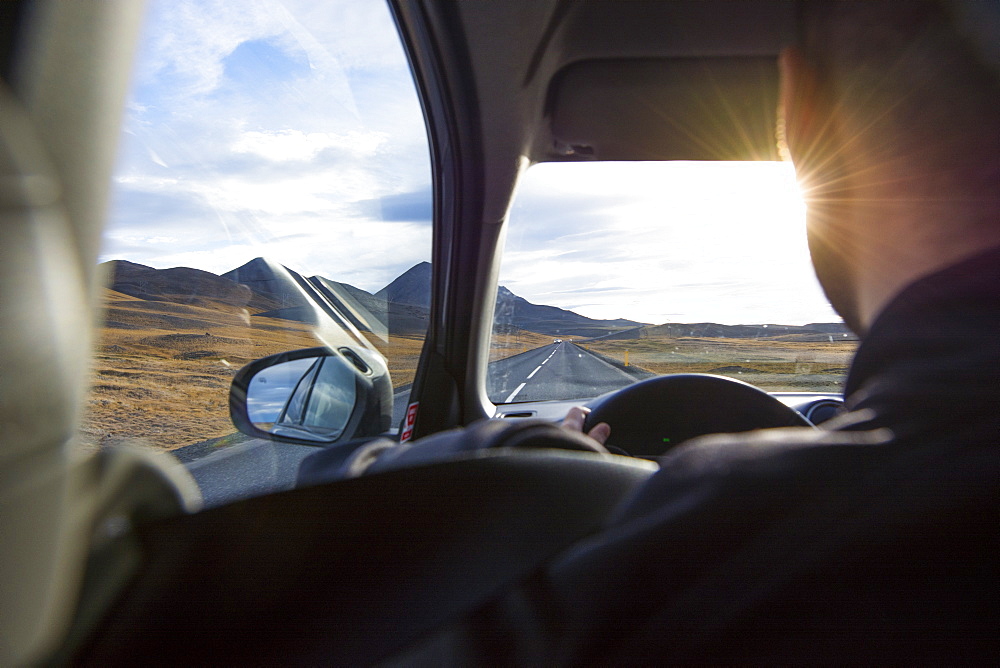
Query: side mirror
314 396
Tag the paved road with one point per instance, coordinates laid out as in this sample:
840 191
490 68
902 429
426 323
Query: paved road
251 468
557 371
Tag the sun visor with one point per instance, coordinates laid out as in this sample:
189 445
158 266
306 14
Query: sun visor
721 108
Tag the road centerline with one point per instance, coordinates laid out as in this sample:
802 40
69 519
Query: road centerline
514 393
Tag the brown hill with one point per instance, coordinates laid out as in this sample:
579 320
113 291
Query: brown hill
814 332
179 285
162 369
373 313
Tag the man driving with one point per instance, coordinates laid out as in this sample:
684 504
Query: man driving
876 535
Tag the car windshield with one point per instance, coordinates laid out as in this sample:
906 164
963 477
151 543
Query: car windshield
615 272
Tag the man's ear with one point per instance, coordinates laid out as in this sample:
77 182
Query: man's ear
799 105
812 137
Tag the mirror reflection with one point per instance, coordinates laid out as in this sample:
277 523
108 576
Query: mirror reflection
310 398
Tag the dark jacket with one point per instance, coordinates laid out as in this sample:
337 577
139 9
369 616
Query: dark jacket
874 539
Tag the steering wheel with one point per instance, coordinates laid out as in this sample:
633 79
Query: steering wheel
652 416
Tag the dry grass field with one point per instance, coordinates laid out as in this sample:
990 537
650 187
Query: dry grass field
162 370
771 364
402 354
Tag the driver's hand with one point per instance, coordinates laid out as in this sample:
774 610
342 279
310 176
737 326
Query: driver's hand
574 422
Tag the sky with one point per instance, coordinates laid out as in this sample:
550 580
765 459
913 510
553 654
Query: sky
291 130
272 129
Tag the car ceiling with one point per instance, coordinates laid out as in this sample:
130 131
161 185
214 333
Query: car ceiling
611 80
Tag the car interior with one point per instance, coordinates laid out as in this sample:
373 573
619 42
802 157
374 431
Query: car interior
110 559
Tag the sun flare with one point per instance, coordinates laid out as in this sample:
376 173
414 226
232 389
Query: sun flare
657 242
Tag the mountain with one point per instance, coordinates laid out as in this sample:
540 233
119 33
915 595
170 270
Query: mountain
830 328
280 292
413 286
370 312
353 298
552 320
180 285
805 333
274 287
271 290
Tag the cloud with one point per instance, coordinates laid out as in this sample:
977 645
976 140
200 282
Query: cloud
591 291
256 129
413 206
298 146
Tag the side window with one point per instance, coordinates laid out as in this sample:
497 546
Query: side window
269 399
294 410
332 396
273 158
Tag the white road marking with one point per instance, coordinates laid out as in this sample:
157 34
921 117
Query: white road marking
514 393
521 386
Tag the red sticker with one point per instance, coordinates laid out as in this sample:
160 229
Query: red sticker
411 419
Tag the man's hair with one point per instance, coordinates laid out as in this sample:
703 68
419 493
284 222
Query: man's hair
912 80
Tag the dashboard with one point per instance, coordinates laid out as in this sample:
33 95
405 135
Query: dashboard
817 407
